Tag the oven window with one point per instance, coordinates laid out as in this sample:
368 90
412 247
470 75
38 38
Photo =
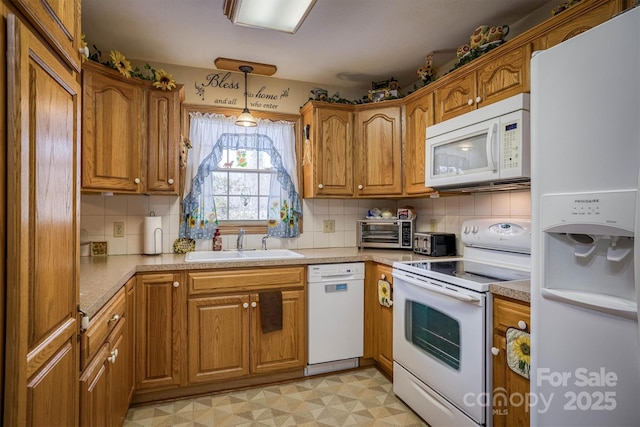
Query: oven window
433 332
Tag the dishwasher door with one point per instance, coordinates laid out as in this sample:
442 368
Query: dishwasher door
336 312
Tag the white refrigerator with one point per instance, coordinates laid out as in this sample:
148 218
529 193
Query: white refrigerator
585 143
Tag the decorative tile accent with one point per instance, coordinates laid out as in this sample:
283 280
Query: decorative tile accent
354 398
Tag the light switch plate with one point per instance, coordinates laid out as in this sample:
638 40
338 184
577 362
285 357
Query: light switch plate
118 229
329 225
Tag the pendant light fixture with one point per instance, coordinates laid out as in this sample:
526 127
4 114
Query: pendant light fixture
246 119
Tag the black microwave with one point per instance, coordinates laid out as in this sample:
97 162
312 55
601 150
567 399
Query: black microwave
389 233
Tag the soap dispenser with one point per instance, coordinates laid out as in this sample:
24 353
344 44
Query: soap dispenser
217 241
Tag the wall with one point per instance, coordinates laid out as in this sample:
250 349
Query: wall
98 214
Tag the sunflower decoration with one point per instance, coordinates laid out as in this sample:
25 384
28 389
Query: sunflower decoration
120 63
519 351
164 80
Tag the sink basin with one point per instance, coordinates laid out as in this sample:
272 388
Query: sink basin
212 256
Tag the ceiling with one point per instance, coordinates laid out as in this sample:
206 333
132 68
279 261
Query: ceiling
341 43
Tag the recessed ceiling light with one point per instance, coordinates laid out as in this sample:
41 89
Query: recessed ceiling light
280 15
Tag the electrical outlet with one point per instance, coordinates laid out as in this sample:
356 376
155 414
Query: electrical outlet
329 225
118 229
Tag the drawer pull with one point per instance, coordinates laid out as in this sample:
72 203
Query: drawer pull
113 357
495 351
176 284
114 318
522 324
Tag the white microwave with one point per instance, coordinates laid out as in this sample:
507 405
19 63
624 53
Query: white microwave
487 146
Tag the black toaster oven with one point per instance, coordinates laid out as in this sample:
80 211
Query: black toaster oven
434 244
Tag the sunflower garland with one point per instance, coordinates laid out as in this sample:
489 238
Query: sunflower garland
160 78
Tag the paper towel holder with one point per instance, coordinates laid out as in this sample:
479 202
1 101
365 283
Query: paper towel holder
155 239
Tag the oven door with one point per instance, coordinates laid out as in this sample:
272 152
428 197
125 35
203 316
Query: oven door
439 337
463 156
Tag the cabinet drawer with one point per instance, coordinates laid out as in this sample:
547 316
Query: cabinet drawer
244 279
101 325
507 313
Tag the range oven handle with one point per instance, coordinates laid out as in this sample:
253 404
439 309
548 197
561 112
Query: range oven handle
425 284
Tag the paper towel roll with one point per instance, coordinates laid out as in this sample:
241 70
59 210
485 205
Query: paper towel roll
152 235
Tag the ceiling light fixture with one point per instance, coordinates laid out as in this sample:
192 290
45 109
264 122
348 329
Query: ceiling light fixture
246 119
280 15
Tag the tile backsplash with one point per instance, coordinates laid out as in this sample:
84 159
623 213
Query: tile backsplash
99 213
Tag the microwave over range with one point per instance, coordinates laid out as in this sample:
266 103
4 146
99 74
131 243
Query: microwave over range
385 233
486 147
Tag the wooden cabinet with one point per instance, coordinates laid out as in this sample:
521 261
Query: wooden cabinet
508 313
161 300
378 319
130 134
337 154
378 144
418 116
225 331
59 23
328 153
578 19
497 75
41 352
107 380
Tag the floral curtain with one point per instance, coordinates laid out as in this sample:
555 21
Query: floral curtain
210 134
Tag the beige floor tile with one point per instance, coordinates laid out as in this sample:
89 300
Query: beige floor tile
355 398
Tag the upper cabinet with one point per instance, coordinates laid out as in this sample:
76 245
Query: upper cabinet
418 116
338 154
59 23
493 77
378 148
130 134
579 20
328 150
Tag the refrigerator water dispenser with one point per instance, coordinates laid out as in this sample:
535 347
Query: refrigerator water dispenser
587 251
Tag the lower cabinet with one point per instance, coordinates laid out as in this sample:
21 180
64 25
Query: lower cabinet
226 339
378 319
106 382
509 386
160 330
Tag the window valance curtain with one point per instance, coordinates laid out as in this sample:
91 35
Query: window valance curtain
210 135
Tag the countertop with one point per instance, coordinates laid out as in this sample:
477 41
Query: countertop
102 277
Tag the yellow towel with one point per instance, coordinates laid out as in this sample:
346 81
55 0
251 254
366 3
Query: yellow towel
384 293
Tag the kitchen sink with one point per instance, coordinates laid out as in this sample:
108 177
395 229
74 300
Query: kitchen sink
246 255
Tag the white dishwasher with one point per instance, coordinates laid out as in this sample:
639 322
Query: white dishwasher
335 306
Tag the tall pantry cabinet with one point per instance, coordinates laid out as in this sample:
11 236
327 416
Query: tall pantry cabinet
43 101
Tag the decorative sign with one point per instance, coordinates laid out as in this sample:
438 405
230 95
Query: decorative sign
226 89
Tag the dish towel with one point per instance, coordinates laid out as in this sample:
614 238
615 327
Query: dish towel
384 293
270 311
519 351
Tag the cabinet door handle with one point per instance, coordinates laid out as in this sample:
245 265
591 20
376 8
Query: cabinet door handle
114 318
320 186
522 324
478 100
113 357
470 102
170 181
383 277
137 180
360 187
176 284
245 305
495 351
254 304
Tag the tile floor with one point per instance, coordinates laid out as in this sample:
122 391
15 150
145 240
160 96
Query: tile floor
354 398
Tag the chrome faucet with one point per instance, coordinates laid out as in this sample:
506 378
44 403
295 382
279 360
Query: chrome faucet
264 242
241 233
